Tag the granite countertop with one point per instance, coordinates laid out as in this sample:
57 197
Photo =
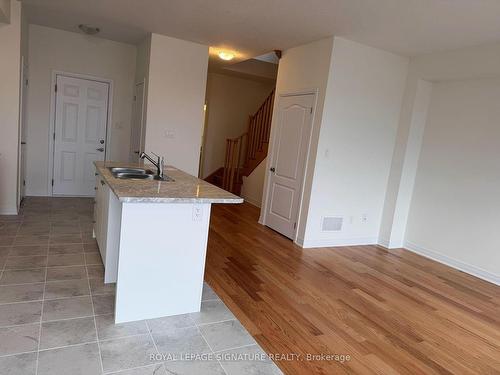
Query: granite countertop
184 189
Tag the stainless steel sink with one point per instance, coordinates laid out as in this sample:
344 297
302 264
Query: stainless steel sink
136 174
115 170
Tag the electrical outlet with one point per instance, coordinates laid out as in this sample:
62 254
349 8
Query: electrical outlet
169 133
197 212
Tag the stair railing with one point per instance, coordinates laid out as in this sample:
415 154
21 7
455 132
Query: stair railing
259 127
233 161
241 149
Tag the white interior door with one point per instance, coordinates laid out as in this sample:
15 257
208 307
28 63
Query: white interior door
81 113
136 133
290 145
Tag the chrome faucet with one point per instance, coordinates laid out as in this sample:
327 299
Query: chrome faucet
158 164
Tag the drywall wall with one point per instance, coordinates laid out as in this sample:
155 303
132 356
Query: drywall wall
5 11
230 100
253 185
455 210
10 63
356 142
302 69
176 95
142 75
52 49
402 177
142 60
474 63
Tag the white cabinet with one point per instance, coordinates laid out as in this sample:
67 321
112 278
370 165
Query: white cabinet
107 219
101 215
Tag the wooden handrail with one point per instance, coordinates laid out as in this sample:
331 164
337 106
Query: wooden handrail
241 150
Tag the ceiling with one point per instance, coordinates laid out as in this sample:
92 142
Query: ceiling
251 28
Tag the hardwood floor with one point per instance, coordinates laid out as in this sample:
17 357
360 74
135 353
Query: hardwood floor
391 312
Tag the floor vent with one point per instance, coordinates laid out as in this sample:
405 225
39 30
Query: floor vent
332 224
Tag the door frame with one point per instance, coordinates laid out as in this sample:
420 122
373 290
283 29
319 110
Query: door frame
272 140
21 161
52 117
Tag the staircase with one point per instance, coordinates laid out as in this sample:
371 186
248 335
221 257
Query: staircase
246 152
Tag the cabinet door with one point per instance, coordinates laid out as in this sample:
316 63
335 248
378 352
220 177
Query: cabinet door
103 230
97 209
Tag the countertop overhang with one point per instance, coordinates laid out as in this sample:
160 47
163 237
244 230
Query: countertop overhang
184 189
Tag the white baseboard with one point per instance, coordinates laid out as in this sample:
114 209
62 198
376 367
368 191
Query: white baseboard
384 242
252 201
454 263
8 211
333 242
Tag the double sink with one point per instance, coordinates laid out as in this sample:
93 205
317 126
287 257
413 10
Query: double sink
126 173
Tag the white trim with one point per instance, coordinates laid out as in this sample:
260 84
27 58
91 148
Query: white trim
384 242
21 119
454 263
352 241
267 180
252 201
7 210
52 117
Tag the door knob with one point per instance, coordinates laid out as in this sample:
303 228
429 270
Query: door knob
272 169
100 149
101 141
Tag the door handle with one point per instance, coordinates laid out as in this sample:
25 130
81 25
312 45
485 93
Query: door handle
272 169
100 149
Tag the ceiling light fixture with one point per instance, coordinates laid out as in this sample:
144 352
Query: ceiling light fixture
224 55
89 30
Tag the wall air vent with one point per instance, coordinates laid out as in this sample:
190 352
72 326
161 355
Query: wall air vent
332 224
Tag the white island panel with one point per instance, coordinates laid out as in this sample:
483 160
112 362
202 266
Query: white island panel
161 260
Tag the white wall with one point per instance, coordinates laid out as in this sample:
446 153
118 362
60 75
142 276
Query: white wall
303 68
455 210
253 185
176 95
52 49
142 60
5 11
403 171
10 61
142 75
230 101
480 64
358 132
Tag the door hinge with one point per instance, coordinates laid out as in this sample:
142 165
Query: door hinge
311 110
135 98
27 83
52 182
55 87
54 136
24 182
294 225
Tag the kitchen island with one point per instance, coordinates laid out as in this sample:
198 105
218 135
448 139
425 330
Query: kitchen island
152 236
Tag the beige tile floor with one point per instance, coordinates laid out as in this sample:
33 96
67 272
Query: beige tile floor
56 315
